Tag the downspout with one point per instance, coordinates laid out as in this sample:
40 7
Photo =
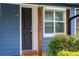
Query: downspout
69 23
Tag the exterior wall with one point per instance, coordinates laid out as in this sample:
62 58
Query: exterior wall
73 21
45 40
9 30
0 10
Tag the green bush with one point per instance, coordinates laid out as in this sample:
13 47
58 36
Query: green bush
76 45
68 53
71 43
59 43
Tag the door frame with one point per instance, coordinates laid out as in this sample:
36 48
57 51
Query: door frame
34 26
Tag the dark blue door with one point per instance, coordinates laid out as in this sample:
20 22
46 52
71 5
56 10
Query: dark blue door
9 30
26 28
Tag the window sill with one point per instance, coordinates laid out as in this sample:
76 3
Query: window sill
48 35
52 35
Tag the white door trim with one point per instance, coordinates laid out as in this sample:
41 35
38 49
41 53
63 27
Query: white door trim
34 26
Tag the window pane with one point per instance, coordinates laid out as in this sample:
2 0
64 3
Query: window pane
59 27
49 27
48 15
59 16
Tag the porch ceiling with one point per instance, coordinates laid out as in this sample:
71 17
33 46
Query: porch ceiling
59 4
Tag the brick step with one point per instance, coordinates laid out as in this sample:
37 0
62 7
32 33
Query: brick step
29 53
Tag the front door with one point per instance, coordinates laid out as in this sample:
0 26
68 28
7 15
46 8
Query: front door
26 28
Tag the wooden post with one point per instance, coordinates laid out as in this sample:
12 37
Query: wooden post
40 31
67 17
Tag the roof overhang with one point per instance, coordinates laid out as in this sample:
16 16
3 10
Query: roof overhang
58 4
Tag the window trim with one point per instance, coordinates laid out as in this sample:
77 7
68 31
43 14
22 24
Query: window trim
53 9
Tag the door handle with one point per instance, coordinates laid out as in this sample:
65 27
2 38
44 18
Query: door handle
31 30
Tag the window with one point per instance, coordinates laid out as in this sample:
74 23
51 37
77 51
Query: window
49 27
54 22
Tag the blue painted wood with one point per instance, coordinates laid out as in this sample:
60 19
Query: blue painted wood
45 41
0 10
73 21
9 30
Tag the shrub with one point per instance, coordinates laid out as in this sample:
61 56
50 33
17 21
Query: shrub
76 45
68 53
71 43
59 43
